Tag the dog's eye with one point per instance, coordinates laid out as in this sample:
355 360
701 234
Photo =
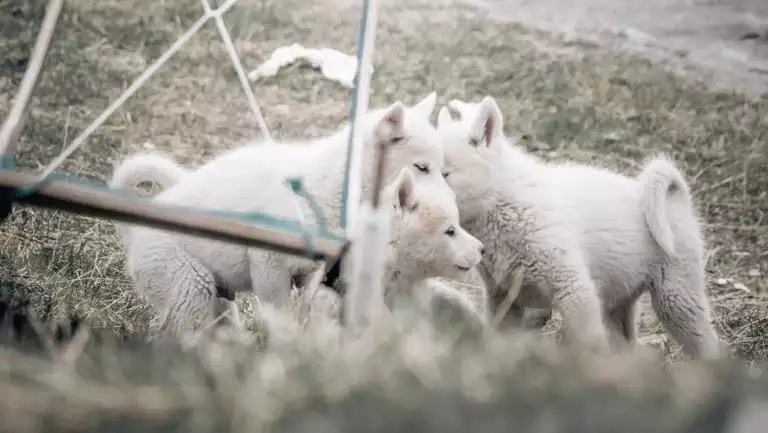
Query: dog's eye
422 168
397 140
474 142
451 231
446 174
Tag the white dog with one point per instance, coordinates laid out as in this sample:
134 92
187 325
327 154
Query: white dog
421 247
427 242
182 275
590 241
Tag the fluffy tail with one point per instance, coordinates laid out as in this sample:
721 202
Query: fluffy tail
661 181
147 167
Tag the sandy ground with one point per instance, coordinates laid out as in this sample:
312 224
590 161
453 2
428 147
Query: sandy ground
723 42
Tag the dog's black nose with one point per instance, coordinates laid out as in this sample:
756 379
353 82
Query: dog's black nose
482 251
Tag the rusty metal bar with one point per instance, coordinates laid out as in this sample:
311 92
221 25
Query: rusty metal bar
86 200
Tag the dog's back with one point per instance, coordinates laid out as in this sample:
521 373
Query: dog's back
604 214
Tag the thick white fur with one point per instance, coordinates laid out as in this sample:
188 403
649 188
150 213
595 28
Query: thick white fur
148 167
181 275
427 239
427 242
590 241
447 305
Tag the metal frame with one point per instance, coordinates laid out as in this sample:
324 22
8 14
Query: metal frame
69 196
85 200
40 190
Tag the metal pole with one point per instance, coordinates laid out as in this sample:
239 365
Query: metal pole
70 196
367 224
378 179
353 179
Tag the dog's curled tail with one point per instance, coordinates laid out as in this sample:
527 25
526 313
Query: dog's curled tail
661 181
146 167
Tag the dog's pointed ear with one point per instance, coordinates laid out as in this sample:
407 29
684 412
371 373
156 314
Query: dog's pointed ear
403 191
426 106
444 117
391 127
463 109
487 127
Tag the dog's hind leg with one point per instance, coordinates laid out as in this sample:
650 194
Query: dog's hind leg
679 299
193 302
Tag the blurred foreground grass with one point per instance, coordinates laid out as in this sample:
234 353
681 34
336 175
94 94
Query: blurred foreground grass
391 379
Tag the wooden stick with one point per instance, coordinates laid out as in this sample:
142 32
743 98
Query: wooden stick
378 179
14 123
102 203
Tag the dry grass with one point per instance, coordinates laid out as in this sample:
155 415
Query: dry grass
383 381
561 100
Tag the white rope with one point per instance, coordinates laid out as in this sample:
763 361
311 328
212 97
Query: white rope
9 132
240 71
146 75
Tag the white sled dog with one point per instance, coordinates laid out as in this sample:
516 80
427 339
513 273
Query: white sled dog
422 247
184 276
590 241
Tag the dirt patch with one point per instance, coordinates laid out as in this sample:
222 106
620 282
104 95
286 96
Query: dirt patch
723 42
585 105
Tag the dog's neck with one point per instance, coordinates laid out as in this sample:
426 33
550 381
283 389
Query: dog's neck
327 181
513 167
400 281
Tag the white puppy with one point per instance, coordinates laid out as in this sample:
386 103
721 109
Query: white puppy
427 241
182 275
590 241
